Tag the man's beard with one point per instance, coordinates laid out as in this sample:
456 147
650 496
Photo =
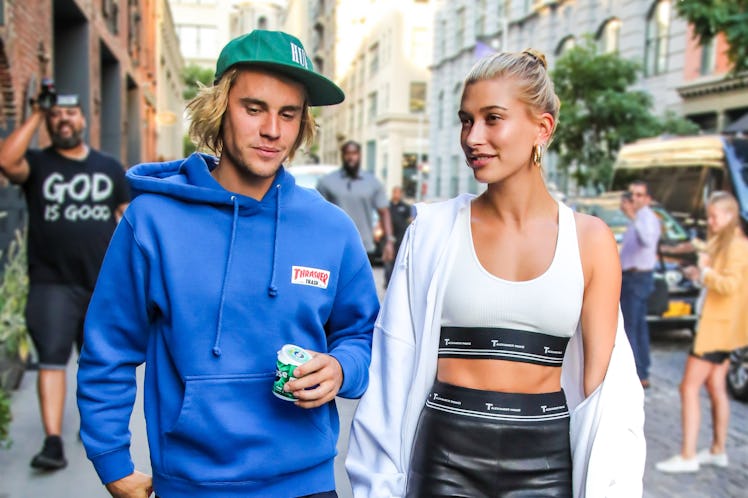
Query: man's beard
70 142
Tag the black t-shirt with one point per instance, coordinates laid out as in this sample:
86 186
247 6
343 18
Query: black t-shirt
72 207
400 214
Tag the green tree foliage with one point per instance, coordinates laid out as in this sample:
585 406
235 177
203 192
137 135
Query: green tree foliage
709 17
188 146
195 76
599 112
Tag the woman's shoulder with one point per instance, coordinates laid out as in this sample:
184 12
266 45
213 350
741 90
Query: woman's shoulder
591 229
438 209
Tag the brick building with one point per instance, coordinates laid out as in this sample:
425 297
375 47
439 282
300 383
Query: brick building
103 50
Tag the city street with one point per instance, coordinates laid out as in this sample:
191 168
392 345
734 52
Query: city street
18 480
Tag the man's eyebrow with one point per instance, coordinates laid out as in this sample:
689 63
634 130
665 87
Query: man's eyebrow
251 100
264 105
294 108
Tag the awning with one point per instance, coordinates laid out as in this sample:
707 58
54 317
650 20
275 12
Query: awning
741 125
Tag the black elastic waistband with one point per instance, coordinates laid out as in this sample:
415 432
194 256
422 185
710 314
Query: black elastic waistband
502 344
494 405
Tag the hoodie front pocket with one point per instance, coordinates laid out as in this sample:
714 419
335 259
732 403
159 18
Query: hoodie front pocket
233 429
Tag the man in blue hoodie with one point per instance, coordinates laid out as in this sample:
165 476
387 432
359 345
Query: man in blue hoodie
217 263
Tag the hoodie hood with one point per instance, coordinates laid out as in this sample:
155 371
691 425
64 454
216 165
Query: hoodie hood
190 180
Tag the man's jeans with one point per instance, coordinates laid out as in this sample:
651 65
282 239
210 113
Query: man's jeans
636 288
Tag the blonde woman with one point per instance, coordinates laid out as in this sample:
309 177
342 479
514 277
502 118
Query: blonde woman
723 326
500 333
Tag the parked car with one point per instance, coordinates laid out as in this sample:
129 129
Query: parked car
683 171
673 302
737 374
307 175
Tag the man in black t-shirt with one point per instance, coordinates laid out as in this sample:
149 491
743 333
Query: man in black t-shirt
75 197
401 214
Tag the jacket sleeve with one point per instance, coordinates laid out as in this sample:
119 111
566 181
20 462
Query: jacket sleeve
115 344
728 278
375 463
349 328
607 431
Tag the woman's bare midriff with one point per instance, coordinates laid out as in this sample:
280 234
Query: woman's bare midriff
499 375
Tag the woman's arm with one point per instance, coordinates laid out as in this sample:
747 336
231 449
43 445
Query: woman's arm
602 293
728 277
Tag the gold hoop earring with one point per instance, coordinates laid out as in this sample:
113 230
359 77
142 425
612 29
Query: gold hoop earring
537 154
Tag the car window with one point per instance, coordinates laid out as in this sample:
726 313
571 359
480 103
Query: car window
671 229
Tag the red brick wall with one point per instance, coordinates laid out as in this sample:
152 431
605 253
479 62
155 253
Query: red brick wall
30 23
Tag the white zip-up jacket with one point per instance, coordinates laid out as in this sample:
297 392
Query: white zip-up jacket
606 428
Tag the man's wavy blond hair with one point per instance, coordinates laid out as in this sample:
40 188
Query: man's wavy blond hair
207 109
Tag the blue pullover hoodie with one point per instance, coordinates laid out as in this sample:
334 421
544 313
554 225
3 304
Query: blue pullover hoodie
205 286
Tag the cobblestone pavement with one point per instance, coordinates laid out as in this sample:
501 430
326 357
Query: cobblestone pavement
663 432
18 480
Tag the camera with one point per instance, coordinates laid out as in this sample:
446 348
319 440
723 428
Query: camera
47 95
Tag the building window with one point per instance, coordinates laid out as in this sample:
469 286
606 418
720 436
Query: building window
565 45
707 57
419 46
371 156
608 37
371 114
319 65
454 177
460 29
480 17
443 37
374 59
318 37
360 116
417 96
197 42
456 98
658 27
440 110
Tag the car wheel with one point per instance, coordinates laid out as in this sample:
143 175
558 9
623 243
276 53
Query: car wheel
737 374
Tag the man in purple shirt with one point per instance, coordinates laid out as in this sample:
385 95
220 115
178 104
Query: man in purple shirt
638 259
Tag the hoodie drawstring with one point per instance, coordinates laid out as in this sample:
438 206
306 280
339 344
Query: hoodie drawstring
216 344
272 289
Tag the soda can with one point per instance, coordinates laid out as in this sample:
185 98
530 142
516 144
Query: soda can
290 356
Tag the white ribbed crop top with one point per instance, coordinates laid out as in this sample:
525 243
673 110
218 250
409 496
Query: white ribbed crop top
550 303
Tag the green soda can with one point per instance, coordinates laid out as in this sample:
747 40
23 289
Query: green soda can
290 356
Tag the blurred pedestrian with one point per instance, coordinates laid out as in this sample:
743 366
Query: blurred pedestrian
75 196
638 260
490 296
217 265
722 271
360 194
401 214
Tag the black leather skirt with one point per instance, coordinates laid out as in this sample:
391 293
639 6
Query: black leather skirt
472 443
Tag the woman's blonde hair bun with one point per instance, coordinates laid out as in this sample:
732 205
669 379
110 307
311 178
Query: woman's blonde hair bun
538 56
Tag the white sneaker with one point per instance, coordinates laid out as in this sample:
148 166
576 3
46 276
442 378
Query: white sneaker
706 457
677 465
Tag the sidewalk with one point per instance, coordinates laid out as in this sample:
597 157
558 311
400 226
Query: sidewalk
78 479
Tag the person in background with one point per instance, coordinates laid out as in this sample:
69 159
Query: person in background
722 271
218 263
500 321
75 196
359 194
401 214
638 260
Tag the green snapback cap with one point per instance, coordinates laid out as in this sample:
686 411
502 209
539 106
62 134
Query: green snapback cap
283 53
